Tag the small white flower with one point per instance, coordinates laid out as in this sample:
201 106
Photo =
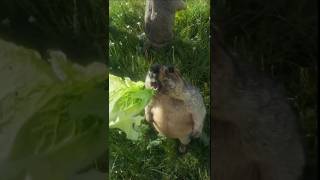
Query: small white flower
138 23
141 36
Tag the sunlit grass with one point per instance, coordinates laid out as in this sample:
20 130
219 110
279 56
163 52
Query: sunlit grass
156 157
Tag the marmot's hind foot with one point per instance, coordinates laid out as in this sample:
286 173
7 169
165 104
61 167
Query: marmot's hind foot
182 148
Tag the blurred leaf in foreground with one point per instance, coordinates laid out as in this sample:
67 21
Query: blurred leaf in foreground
52 114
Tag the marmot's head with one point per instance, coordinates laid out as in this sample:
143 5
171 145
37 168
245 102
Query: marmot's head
165 79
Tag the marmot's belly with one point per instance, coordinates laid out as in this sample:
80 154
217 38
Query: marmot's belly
171 118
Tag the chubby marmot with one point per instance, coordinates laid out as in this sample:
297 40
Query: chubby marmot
177 110
159 21
255 135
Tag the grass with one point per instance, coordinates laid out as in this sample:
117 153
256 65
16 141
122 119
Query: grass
76 27
155 157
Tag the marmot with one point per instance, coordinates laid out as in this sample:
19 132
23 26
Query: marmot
255 134
159 21
177 110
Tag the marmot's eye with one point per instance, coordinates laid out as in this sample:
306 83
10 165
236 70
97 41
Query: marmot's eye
171 69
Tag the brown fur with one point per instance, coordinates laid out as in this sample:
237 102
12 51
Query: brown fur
177 109
171 117
159 21
255 135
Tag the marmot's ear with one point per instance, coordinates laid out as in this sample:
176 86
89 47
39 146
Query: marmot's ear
178 5
171 69
155 68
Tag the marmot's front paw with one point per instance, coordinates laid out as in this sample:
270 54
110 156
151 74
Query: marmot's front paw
196 134
148 114
148 119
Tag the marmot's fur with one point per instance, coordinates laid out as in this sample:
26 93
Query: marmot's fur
177 110
255 131
159 21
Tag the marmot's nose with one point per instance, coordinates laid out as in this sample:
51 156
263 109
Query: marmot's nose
155 68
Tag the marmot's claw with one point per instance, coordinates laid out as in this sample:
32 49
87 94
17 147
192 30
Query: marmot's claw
149 120
196 134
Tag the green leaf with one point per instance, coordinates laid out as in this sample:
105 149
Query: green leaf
127 100
53 116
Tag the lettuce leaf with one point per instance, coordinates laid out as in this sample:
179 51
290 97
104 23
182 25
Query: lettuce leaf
127 100
53 119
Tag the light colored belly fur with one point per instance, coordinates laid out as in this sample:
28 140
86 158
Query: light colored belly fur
170 117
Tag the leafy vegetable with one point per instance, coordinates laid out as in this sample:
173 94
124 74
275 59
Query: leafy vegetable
52 115
127 100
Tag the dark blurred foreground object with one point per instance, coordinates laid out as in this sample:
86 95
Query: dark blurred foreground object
78 28
256 135
279 38
159 21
